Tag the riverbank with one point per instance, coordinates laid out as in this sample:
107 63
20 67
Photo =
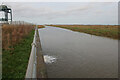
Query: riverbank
110 31
14 62
15 56
41 26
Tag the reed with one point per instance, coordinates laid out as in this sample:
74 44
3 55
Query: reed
12 34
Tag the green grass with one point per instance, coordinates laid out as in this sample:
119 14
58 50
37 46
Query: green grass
15 61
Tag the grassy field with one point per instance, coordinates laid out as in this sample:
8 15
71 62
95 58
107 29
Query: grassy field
110 31
15 58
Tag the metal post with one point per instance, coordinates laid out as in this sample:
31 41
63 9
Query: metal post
6 16
11 14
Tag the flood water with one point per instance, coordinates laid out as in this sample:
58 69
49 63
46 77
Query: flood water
78 55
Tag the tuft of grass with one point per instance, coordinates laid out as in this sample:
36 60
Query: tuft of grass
111 31
14 62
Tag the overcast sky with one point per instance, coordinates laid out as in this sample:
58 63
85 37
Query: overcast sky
65 12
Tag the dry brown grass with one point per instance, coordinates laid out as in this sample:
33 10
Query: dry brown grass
12 34
40 26
111 31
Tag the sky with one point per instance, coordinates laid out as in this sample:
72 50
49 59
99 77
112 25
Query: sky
104 13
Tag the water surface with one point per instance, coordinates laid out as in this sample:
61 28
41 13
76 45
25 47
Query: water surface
79 55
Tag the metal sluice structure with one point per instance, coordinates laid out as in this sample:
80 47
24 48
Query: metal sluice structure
7 11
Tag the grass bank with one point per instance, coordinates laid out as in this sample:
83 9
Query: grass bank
15 61
110 31
16 49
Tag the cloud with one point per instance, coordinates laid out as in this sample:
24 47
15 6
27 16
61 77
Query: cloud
84 12
26 8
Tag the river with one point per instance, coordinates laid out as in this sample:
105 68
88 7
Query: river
70 54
